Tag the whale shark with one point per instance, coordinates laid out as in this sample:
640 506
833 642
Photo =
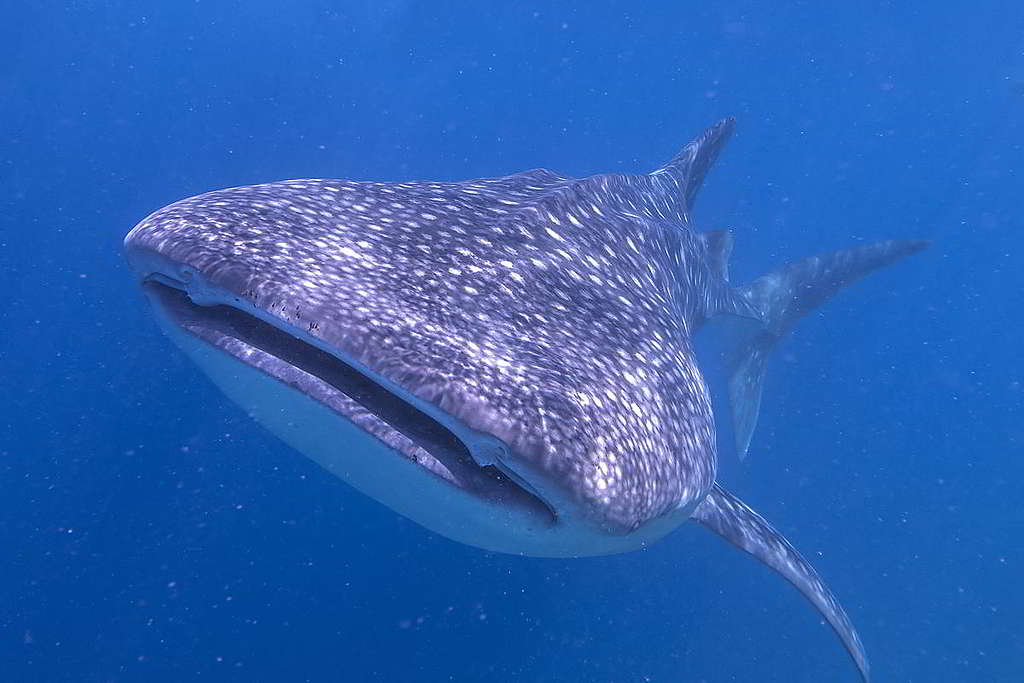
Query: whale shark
508 361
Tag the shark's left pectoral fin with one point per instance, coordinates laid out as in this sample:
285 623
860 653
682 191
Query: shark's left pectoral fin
734 521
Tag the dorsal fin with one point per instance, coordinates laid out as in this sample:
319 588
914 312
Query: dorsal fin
690 166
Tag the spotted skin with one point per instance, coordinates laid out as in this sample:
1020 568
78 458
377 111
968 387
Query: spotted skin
552 314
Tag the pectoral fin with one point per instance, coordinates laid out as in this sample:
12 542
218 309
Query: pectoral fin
731 519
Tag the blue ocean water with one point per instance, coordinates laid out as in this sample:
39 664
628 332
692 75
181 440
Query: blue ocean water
152 532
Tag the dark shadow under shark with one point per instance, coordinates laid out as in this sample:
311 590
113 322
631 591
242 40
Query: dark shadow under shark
507 361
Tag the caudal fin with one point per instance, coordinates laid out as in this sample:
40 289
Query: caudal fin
730 518
782 297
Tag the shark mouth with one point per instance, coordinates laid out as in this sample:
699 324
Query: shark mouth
352 394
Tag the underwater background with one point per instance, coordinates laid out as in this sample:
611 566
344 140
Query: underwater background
149 531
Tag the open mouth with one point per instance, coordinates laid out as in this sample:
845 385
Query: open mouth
346 390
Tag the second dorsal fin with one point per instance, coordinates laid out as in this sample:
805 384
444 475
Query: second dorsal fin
718 246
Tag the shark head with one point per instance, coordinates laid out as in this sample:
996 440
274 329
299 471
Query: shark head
507 361
519 345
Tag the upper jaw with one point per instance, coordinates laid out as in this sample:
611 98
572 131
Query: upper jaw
469 459
535 513
515 467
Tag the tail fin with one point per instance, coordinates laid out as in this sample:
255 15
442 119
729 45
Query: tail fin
782 297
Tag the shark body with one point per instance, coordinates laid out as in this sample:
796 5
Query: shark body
507 361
